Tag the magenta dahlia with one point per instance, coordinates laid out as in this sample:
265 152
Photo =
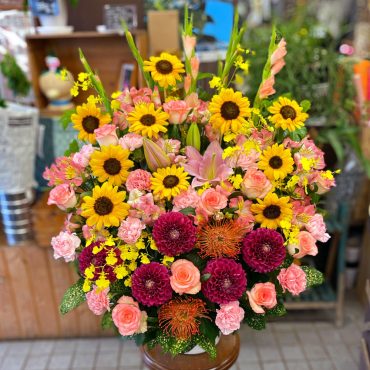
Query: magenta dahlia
174 234
227 281
87 258
151 284
263 250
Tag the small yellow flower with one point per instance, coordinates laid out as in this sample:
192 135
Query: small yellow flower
128 282
167 260
120 271
64 74
236 180
215 82
111 258
89 272
144 259
82 76
74 90
102 283
86 286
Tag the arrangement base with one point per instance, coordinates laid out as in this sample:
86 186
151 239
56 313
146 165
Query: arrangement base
227 353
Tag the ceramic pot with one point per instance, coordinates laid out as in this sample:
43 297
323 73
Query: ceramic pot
227 353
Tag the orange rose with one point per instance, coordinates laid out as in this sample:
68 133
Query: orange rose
185 277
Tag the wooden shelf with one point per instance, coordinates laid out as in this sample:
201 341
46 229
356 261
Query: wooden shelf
105 52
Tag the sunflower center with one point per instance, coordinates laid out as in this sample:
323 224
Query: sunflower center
170 181
271 212
275 162
164 67
227 283
103 206
288 112
230 110
90 123
147 120
112 166
174 234
149 284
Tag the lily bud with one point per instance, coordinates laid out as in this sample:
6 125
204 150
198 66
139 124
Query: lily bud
154 155
193 137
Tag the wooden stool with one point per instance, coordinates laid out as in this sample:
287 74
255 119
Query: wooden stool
227 353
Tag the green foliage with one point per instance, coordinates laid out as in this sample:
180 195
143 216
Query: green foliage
107 321
313 276
278 311
209 329
73 148
65 118
73 297
254 320
17 80
188 211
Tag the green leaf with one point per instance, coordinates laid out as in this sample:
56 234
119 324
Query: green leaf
208 345
107 321
205 277
278 310
255 321
209 329
73 148
299 134
335 142
203 75
65 119
188 211
306 105
73 297
313 276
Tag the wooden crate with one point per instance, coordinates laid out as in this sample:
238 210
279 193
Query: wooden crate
32 284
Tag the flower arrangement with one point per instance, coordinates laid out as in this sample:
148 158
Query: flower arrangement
188 216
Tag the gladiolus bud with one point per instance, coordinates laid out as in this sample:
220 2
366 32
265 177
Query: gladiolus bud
193 136
154 155
187 83
194 63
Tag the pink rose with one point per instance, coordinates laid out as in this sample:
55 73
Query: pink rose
255 184
63 196
98 300
293 279
82 158
185 277
229 317
138 179
177 110
106 135
128 318
65 245
131 142
130 230
306 245
262 294
316 226
212 201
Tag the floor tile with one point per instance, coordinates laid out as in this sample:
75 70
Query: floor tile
82 360
107 359
287 338
249 365
36 362
267 354
322 365
274 366
3 348
292 353
87 345
19 348
42 347
13 363
345 364
110 344
297 365
315 352
248 354
60 361
338 352
130 359
65 346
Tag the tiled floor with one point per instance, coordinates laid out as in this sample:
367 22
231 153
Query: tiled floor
289 344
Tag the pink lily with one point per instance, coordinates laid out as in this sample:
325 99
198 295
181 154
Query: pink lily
207 168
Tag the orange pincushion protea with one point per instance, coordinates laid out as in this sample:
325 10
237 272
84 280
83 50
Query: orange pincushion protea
180 317
220 239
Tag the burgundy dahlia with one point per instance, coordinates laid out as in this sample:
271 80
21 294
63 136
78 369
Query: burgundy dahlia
151 284
174 234
87 258
227 281
263 250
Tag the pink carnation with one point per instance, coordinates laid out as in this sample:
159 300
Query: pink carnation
138 179
316 226
262 294
145 208
128 318
130 230
98 300
120 118
229 317
293 279
106 135
82 158
185 199
65 245
63 196
131 142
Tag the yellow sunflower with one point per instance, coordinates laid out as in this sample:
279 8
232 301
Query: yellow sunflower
145 120
106 206
169 182
276 162
165 69
272 212
287 114
229 110
87 118
111 164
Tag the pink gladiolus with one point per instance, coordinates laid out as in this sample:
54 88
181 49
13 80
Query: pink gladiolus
187 83
194 63
154 155
207 168
279 53
156 98
189 45
267 87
